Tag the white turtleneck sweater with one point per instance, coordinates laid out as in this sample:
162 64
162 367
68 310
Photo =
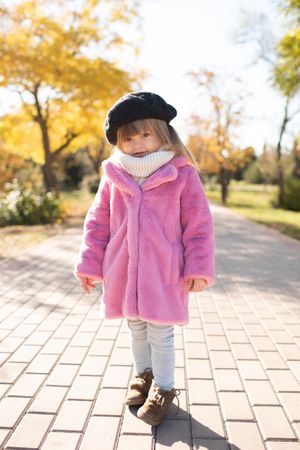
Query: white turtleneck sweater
140 167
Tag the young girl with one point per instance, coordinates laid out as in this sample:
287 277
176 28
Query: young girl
148 236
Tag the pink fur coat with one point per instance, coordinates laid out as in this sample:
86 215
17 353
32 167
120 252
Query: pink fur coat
144 241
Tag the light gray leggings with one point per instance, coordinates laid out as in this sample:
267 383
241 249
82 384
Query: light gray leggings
152 345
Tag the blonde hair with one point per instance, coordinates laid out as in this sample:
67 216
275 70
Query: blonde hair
164 132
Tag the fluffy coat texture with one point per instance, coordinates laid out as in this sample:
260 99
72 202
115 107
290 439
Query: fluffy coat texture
144 241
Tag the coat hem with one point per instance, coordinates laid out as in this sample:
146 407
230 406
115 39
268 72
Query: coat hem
138 317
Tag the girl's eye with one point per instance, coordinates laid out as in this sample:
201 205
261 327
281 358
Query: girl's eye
126 139
146 134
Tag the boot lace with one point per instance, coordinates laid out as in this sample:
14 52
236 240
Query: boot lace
158 396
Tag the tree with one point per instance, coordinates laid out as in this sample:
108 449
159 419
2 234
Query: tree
264 168
287 66
296 158
287 117
286 74
50 57
213 143
284 62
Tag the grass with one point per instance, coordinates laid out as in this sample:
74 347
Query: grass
75 205
254 202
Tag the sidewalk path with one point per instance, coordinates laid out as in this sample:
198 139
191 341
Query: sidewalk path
64 372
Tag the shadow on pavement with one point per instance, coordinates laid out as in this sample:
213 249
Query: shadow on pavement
180 428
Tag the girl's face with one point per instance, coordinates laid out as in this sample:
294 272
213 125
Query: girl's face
140 144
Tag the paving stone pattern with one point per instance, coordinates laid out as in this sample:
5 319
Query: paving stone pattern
64 372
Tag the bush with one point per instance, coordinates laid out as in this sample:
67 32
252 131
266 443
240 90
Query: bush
27 207
292 194
253 173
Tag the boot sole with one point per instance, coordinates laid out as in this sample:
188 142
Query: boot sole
146 419
135 402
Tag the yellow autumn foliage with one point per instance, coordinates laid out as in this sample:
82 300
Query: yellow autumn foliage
55 57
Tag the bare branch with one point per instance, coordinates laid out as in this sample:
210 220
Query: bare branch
255 28
70 136
26 106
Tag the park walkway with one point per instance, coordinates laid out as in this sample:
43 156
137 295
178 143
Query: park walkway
64 372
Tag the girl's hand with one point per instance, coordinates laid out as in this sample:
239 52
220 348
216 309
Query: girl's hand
87 283
196 284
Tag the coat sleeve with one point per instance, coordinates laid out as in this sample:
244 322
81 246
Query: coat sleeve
96 234
197 231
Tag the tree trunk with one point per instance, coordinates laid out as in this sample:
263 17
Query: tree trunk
50 181
296 158
280 200
224 179
280 184
280 174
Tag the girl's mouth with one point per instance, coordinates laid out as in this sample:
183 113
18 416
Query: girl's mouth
141 154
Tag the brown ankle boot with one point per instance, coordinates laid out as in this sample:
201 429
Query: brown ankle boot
139 387
158 402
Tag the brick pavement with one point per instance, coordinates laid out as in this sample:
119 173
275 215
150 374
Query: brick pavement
64 372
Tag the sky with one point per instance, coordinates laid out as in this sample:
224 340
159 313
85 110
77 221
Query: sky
179 36
182 36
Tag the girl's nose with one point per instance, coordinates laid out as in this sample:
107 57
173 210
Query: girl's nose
137 141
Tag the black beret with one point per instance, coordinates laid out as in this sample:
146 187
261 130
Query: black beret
136 106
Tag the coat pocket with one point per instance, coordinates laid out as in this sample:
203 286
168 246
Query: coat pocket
176 263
